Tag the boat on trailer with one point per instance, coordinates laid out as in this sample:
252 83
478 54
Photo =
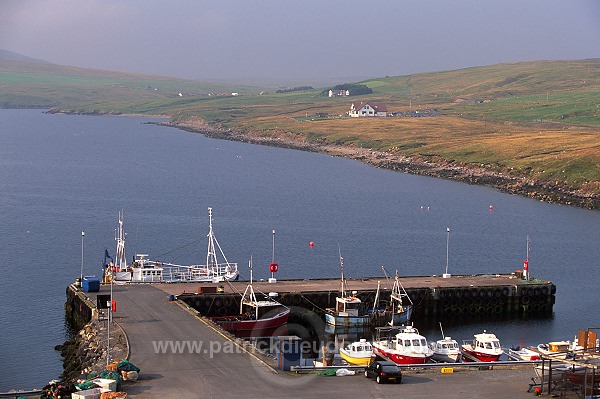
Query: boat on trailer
525 354
485 347
358 353
407 346
445 350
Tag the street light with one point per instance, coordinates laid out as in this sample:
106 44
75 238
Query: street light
446 275
81 275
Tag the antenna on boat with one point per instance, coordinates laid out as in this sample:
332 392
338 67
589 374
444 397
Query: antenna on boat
442 330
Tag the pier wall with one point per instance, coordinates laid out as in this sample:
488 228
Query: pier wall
79 308
509 301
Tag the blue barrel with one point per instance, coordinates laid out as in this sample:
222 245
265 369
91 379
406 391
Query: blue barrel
171 297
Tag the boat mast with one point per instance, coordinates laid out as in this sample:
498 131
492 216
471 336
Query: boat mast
212 264
120 239
342 286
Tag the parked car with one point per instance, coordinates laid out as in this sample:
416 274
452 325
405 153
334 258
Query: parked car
384 371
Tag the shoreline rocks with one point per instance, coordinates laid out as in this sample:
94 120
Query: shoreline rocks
550 192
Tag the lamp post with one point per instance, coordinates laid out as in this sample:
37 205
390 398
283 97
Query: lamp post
447 275
82 235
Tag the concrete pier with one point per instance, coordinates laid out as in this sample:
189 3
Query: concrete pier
181 356
478 296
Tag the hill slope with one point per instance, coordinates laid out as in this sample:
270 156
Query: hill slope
537 122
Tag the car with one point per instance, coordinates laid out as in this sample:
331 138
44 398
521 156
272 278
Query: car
384 371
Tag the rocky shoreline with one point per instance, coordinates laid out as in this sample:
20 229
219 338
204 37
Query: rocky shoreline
86 351
551 192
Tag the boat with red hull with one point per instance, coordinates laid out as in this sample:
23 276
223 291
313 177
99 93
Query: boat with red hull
405 347
485 347
257 318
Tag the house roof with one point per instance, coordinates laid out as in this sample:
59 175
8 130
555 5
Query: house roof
379 107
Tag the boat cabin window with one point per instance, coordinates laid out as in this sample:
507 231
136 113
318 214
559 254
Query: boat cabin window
407 342
496 344
488 345
445 346
416 342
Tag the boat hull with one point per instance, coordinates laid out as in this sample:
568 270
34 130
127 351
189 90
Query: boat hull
401 358
446 358
355 360
400 318
482 357
252 328
346 321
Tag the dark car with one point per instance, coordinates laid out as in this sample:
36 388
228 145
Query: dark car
384 371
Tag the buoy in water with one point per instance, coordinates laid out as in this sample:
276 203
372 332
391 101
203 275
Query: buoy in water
491 207
311 244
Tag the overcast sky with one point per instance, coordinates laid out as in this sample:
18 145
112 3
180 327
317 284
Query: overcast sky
292 40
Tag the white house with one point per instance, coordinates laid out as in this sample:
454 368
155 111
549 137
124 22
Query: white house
362 109
339 93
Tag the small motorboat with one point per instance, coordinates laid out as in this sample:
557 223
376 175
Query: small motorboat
406 347
556 349
485 347
518 353
358 353
445 350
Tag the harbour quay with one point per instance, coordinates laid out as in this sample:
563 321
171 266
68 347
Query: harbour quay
479 296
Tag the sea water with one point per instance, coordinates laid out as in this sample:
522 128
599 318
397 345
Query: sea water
62 174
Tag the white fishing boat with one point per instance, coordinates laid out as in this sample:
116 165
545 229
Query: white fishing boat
485 347
144 269
405 347
349 310
445 350
117 270
212 271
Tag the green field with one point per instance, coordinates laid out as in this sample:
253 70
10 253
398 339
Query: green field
535 119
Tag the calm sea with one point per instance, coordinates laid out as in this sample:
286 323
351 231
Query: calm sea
63 174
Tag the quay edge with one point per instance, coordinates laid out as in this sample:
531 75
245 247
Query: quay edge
477 296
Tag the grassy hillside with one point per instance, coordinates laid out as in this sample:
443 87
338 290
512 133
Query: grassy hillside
37 84
535 119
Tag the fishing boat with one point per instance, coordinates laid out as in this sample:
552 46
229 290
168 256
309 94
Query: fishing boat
144 270
400 303
213 271
358 353
526 354
485 347
349 310
556 349
407 346
445 350
257 318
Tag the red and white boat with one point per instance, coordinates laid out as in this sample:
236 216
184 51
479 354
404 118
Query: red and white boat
485 347
257 318
406 347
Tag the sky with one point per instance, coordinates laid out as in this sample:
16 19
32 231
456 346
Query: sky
283 40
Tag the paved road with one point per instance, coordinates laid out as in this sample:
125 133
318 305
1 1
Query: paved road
213 371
